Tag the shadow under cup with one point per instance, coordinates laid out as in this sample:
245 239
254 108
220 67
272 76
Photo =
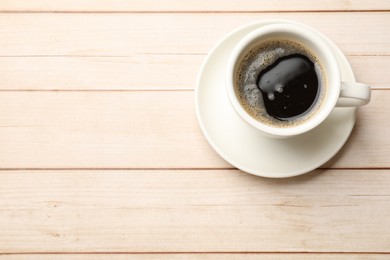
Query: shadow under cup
314 47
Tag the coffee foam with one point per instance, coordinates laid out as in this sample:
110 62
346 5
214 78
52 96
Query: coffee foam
256 60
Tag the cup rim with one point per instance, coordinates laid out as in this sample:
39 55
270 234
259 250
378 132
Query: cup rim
333 77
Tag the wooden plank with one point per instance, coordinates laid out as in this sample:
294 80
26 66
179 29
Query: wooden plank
190 256
369 69
102 129
127 34
137 72
187 6
142 129
367 131
147 71
193 211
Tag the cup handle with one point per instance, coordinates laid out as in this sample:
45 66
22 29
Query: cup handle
353 94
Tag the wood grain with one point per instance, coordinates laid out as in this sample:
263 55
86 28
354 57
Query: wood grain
193 211
79 34
142 129
137 72
190 6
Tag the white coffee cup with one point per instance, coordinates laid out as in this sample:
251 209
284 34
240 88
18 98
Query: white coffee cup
338 94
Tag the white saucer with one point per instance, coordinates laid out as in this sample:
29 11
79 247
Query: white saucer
241 145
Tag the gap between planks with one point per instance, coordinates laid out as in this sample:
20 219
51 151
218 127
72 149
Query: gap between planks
194 12
121 90
192 6
198 253
176 169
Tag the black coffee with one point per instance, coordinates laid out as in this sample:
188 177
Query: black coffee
289 86
280 83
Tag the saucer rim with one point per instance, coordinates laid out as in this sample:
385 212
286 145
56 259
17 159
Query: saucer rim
340 57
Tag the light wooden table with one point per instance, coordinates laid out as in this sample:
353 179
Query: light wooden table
101 155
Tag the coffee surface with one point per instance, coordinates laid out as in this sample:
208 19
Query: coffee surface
280 83
289 86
